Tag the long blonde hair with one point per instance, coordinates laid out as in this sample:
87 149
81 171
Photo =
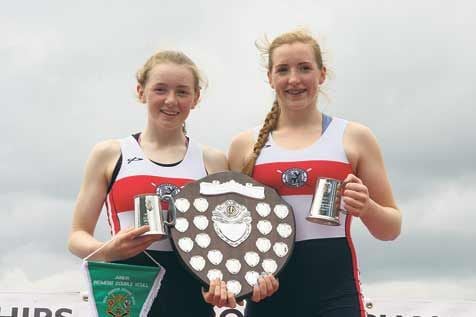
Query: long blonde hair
271 120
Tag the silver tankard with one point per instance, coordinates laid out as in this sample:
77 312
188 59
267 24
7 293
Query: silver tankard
326 203
148 211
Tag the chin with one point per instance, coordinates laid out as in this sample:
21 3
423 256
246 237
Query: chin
297 106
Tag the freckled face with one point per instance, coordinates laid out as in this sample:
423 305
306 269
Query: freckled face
295 76
169 94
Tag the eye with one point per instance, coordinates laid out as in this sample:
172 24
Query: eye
183 93
281 70
305 68
160 90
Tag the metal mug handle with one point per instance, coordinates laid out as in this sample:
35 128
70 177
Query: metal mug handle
341 195
172 212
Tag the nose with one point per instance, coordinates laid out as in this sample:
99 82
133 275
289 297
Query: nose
293 77
171 98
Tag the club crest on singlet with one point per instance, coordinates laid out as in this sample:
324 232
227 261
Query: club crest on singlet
294 177
166 189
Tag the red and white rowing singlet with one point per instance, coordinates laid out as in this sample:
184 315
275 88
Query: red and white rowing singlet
138 175
294 173
324 263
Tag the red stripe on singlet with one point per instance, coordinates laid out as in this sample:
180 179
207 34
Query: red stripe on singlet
123 191
271 174
355 266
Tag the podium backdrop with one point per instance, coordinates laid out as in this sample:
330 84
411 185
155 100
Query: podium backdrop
74 304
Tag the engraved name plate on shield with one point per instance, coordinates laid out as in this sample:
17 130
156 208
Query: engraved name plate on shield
231 227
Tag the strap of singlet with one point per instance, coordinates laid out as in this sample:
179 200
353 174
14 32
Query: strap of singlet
326 121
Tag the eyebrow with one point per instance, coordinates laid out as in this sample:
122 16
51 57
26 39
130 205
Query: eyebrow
300 63
164 84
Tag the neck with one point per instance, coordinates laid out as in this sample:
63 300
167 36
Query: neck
307 118
163 137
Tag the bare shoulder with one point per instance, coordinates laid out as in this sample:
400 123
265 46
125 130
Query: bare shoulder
360 145
359 142
359 135
244 140
240 149
103 157
106 150
215 160
358 132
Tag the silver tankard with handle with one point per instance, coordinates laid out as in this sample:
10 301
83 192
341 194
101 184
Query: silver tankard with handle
148 211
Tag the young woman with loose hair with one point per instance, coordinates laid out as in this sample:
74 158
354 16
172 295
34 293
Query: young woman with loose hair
160 159
296 145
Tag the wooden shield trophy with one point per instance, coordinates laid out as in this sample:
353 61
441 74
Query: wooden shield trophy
231 227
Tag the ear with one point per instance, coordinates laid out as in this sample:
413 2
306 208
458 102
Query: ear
140 93
196 99
270 80
322 78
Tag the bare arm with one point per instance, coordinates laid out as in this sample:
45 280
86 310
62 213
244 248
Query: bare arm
368 193
240 150
88 207
215 160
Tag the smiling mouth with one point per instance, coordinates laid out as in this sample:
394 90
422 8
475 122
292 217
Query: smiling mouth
295 92
170 113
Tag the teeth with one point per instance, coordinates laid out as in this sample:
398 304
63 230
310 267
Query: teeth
295 91
170 113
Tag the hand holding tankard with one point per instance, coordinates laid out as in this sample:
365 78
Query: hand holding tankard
355 196
332 197
148 211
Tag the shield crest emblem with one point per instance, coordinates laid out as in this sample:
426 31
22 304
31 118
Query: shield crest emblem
232 222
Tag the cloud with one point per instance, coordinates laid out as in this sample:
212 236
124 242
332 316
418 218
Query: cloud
35 232
437 234
64 281
444 209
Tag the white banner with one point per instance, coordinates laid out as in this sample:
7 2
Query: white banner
29 304
74 304
419 308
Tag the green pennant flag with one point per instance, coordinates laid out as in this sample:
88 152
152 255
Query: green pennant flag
122 290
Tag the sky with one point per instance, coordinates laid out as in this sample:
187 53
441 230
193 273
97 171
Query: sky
405 69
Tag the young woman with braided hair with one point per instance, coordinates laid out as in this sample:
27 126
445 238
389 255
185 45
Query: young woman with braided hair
296 145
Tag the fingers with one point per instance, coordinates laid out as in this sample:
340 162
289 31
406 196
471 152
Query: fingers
263 288
217 294
220 294
360 196
259 290
138 231
129 242
256 297
351 178
274 283
211 291
355 195
267 285
232 300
